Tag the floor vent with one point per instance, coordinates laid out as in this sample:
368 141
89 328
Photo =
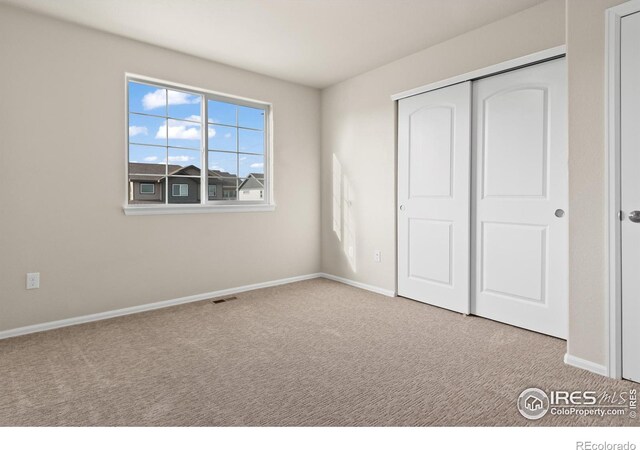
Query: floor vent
222 300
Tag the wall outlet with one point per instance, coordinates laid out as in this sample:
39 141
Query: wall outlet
377 256
33 280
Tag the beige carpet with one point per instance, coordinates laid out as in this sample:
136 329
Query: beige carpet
310 353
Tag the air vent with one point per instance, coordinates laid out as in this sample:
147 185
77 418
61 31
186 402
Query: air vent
222 300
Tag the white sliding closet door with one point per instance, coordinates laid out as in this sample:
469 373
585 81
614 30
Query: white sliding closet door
521 184
434 197
630 167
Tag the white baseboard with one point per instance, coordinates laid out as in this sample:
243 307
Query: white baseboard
586 365
368 287
149 307
179 301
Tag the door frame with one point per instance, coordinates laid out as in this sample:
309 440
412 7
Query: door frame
613 323
495 69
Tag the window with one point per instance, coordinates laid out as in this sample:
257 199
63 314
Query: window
147 188
180 190
183 138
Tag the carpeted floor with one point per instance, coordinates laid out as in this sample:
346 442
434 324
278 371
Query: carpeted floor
310 353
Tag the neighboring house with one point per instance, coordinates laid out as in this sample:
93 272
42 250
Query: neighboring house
147 184
252 188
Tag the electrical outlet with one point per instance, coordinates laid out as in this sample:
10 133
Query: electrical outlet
377 256
33 280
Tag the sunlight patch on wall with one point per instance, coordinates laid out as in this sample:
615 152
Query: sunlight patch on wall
349 224
337 197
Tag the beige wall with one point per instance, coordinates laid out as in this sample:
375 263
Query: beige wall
358 127
587 159
62 132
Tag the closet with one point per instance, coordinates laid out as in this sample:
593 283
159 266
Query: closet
482 197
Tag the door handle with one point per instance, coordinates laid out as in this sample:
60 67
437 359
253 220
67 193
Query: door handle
559 213
634 216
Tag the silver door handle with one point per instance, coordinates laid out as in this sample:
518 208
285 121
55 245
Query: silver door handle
634 216
401 207
559 213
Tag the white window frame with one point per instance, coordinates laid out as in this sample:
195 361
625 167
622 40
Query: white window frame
153 188
180 190
205 205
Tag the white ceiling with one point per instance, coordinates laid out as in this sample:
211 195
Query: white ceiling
312 42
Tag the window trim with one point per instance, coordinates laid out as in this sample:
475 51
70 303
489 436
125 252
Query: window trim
205 205
153 188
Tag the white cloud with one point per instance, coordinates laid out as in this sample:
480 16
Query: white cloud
181 98
257 165
179 130
154 99
196 118
227 135
157 99
181 158
135 130
151 158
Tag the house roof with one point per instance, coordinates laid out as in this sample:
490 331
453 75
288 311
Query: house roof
150 172
253 181
155 172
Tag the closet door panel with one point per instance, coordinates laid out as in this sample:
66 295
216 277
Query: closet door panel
521 197
433 197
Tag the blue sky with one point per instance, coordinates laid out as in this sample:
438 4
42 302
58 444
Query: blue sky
183 130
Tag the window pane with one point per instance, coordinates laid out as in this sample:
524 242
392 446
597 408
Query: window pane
147 188
223 164
212 190
251 164
251 189
184 134
251 141
138 195
184 190
184 162
251 117
184 106
147 130
222 113
222 138
144 159
147 99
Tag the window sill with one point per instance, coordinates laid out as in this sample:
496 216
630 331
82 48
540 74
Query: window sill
130 210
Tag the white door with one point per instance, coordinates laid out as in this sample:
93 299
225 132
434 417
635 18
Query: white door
521 192
433 197
630 194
